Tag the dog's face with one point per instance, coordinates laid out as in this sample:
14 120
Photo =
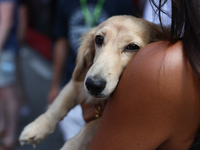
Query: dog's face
111 46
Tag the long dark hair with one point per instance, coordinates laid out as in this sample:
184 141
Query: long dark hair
185 25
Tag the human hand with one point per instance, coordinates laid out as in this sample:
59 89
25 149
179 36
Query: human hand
92 111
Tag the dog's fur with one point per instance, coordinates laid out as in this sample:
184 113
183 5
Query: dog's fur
97 73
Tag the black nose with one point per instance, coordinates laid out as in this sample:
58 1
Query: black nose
95 85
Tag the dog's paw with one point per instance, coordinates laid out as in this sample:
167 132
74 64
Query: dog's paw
37 131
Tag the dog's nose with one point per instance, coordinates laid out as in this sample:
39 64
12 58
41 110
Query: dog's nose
95 85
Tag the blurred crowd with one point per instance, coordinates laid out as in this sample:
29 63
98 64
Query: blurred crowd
59 24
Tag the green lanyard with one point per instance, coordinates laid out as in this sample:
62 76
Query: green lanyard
91 20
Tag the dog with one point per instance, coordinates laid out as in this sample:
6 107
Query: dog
103 55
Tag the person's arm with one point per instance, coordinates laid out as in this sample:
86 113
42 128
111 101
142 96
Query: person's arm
22 23
61 49
156 104
60 54
6 20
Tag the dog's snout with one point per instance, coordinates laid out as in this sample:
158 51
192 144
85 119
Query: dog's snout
95 85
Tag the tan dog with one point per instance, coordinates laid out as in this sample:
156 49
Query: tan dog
103 55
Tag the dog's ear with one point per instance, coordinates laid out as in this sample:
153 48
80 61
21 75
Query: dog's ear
85 55
158 32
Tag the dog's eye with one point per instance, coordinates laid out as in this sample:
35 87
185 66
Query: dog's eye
99 40
132 47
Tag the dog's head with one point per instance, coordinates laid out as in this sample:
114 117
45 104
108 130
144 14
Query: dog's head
106 50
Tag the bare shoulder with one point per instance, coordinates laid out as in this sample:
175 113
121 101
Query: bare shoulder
163 72
167 65
167 89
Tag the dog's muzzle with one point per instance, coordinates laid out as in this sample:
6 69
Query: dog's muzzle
95 86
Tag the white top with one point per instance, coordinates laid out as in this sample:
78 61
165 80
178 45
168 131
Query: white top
152 16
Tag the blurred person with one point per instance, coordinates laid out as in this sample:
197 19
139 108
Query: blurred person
9 101
73 18
21 35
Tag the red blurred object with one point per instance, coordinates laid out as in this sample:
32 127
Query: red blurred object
39 42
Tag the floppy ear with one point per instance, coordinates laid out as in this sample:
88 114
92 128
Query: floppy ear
158 32
85 55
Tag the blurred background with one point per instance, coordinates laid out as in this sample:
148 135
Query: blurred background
36 18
